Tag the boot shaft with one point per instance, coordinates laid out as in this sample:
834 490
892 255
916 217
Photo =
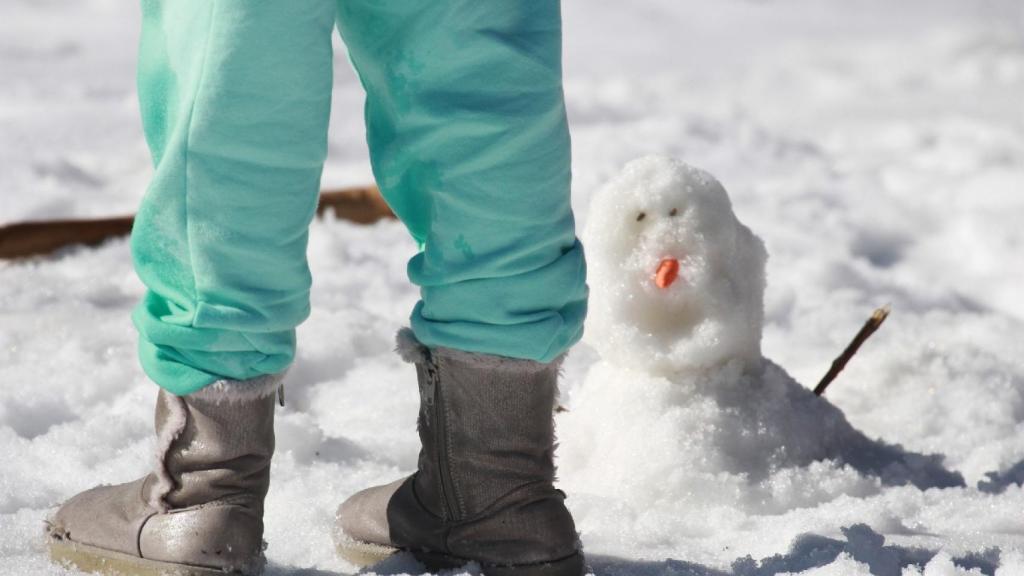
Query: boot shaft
217 446
486 429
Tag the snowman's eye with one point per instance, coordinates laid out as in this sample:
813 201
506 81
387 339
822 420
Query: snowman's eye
673 212
640 216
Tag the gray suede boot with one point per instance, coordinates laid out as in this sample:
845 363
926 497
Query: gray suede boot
483 488
201 511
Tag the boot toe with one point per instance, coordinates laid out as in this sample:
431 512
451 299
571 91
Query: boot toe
107 517
364 516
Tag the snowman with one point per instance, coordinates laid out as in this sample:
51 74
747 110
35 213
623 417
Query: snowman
682 414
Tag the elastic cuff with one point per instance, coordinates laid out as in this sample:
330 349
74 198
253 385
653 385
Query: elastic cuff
413 351
240 390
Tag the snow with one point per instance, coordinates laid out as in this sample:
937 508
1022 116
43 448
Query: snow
877 148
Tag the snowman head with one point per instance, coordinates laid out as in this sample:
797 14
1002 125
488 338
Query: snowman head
677 282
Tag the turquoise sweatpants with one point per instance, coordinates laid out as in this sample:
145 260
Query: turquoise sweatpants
469 144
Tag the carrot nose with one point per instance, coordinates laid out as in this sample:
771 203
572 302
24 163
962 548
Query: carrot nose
668 271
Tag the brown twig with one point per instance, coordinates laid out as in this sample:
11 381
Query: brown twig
839 363
362 205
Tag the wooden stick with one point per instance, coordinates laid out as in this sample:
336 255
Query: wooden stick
363 205
26 239
865 332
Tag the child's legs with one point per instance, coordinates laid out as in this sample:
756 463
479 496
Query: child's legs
235 98
469 142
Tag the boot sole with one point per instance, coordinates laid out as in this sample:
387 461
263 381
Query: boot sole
100 561
364 554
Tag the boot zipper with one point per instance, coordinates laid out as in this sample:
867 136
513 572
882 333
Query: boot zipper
427 398
439 438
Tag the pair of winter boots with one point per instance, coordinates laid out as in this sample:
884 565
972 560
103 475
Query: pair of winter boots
482 492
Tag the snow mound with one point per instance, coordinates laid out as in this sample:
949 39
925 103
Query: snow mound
679 281
751 439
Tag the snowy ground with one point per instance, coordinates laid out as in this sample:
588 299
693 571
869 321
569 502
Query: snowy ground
877 147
